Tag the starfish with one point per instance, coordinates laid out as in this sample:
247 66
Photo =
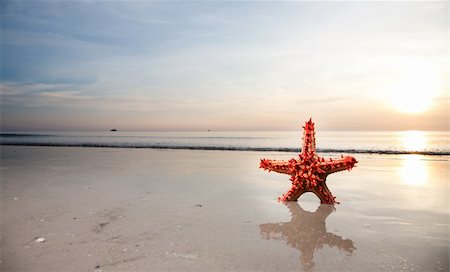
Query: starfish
309 172
306 232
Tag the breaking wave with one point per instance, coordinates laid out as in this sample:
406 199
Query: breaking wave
229 148
389 143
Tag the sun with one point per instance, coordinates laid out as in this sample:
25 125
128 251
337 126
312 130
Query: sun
414 90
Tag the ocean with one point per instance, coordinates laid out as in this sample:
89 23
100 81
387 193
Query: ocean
134 207
368 142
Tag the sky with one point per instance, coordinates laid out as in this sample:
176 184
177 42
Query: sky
147 65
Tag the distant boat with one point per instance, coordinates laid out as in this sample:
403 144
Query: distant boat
113 129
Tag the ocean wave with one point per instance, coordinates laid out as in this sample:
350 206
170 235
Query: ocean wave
20 135
230 148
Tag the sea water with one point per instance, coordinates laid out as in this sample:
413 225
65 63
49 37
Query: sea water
378 142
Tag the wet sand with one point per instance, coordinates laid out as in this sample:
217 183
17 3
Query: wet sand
105 209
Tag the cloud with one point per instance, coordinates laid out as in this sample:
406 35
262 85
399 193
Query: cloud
175 61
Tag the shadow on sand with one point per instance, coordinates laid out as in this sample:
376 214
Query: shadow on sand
306 232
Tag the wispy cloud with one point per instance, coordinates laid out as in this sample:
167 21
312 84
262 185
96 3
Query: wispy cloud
227 64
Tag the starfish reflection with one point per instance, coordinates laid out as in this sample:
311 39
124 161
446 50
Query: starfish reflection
306 232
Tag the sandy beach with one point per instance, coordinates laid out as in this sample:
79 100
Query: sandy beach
106 209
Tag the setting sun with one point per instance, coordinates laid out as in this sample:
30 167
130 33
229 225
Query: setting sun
414 91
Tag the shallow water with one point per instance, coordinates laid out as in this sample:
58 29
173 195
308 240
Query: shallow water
179 210
379 142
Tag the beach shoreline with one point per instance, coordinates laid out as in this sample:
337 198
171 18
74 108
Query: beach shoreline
121 209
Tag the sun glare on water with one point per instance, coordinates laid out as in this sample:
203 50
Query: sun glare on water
413 140
414 171
414 91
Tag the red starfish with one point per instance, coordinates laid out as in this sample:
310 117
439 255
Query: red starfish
309 172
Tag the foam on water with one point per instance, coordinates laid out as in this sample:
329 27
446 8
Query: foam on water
375 142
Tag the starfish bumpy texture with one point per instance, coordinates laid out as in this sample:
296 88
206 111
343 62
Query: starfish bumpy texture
309 172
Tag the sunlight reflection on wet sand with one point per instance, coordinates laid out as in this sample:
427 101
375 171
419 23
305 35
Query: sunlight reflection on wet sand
203 210
413 171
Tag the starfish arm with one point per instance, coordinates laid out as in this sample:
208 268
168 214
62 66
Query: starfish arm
276 166
292 195
324 194
309 140
335 165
